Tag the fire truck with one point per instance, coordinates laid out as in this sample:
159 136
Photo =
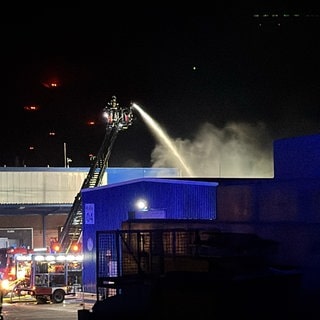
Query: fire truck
52 276
43 275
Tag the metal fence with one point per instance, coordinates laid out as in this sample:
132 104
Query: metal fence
131 256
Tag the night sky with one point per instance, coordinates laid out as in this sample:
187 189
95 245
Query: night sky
223 87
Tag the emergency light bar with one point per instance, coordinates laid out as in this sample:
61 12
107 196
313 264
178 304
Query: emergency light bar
50 257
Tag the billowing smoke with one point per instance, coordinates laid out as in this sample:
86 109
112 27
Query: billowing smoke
236 150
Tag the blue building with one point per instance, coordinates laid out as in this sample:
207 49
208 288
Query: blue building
107 207
284 209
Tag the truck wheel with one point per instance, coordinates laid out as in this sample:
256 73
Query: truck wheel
58 296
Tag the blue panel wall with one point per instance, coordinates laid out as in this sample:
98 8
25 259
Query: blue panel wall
297 157
105 208
116 175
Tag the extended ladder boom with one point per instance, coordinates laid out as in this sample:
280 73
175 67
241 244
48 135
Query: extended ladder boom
117 119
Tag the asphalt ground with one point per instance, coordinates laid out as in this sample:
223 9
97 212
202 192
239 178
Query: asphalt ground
26 308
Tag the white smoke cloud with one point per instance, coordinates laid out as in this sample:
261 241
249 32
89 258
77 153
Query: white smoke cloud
237 150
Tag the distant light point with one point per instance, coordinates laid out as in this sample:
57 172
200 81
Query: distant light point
51 83
31 107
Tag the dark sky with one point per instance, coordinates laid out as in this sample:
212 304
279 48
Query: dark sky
228 83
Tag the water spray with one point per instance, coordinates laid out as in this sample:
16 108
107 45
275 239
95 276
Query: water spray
162 137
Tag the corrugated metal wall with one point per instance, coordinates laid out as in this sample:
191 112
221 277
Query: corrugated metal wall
38 187
109 206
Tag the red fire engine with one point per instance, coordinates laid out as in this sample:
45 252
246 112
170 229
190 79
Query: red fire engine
52 276
45 276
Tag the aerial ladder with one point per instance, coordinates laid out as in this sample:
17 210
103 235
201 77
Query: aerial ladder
117 119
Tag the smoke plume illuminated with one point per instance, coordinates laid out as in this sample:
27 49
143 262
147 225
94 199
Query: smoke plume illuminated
236 150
